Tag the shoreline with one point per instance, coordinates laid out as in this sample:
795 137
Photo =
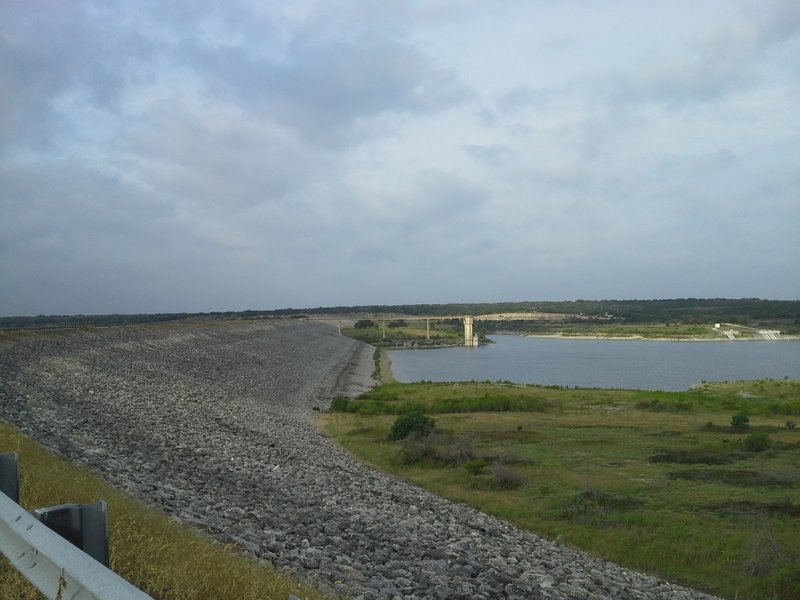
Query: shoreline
642 338
385 374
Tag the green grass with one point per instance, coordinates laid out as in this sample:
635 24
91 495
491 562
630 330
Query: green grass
762 397
645 330
707 513
416 331
164 558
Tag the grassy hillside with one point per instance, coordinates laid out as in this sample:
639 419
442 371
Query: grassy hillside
656 481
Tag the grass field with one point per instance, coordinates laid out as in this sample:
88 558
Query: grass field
166 559
415 331
644 330
655 481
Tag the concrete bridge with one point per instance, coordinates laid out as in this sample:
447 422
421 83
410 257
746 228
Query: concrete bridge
470 337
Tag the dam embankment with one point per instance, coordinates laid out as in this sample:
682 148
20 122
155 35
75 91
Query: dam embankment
214 424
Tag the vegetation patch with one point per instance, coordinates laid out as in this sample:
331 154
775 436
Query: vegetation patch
511 436
758 441
435 449
497 477
781 508
488 403
413 422
739 477
377 404
591 503
783 408
740 421
660 406
693 456
661 515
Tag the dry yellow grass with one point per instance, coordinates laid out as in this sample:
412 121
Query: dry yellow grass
166 559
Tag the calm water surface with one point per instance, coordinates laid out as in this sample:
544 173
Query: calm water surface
639 364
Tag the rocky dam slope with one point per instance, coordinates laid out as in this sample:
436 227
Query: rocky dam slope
214 424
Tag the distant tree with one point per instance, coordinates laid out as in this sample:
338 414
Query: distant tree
365 324
397 323
740 421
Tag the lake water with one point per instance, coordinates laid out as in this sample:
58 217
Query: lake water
630 364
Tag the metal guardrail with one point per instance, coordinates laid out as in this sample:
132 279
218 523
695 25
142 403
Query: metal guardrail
56 567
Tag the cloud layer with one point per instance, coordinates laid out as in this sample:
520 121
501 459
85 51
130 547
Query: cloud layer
191 156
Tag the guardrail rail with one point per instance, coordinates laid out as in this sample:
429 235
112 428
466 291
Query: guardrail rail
55 566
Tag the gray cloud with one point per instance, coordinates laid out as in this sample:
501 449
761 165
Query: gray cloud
727 59
491 154
206 156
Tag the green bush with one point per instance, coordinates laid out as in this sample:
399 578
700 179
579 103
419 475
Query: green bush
659 406
381 403
476 467
339 404
740 421
411 422
758 441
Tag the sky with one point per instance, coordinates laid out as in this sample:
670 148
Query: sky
189 156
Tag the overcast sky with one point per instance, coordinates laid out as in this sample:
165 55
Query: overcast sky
160 156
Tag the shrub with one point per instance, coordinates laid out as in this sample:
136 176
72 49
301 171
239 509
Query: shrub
411 422
740 421
499 478
476 467
505 478
791 425
436 449
417 450
339 404
365 324
658 406
757 441
455 453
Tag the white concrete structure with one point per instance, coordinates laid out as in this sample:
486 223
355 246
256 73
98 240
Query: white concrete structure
470 338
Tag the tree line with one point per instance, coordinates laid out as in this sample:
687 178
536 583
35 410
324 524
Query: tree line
742 311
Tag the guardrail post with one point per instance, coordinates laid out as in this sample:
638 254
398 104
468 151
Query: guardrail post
9 475
84 525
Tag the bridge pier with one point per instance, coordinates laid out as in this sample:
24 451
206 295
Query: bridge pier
470 338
